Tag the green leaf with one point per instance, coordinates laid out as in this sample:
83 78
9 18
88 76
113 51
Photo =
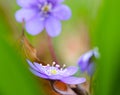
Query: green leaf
15 77
106 37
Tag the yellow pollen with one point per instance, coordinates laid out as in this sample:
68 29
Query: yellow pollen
46 8
53 72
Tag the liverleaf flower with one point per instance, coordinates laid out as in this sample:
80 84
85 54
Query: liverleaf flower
40 14
55 72
86 62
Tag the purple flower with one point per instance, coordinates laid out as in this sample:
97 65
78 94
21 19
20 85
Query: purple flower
54 72
40 14
86 62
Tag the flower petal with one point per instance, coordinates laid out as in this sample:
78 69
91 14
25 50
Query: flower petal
40 67
91 69
71 70
53 26
55 2
34 26
25 14
38 74
32 66
86 63
60 1
62 12
55 77
42 1
96 52
26 3
84 60
83 65
87 56
73 80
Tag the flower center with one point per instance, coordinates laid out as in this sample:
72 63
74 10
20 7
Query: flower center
53 72
44 10
46 7
55 69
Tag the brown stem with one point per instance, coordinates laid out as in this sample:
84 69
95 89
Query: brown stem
90 85
51 49
79 91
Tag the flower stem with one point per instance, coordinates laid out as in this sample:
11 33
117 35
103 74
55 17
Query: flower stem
79 91
90 85
51 49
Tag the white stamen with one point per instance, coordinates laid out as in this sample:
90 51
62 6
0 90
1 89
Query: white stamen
64 66
53 64
57 65
48 64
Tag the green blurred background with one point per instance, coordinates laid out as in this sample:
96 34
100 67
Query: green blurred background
93 23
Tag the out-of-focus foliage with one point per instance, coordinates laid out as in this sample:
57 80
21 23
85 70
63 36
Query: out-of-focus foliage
14 76
106 35
104 30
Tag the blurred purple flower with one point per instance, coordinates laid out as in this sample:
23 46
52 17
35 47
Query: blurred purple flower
86 62
54 72
40 14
